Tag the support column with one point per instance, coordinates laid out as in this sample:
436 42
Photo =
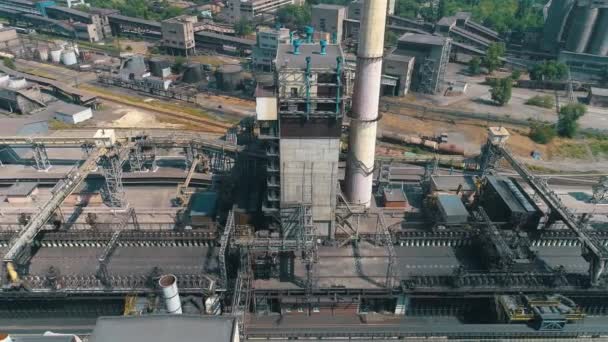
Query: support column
111 168
41 158
366 100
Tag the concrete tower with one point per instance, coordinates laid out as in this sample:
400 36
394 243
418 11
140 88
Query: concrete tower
366 100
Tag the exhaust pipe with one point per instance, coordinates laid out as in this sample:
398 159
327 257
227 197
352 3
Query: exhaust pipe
168 283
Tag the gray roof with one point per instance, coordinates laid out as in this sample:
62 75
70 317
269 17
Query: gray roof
328 7
427 39
287 59
399 58
65 108
599 91
451 183
452 205
21 189
183 328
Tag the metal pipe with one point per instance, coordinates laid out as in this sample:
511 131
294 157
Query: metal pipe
168 284
339 82
308 61
366 100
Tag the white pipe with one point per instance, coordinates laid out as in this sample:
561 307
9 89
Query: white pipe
366 100
168 283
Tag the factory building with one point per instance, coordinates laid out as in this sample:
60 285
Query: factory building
98 18
178 35
432 54
19 96
329 19
397 71
8 37
578 31
505 201
70 113
598 97
256 9
311 101
266 47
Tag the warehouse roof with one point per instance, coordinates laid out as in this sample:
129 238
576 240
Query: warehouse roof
183 328
287 59
452 205
426 39
21 189
599 91
452 182
68 109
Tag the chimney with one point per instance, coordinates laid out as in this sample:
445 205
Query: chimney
323 47
365 104
168 284
296 46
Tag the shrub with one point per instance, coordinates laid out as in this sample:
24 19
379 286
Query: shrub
542 133
544 101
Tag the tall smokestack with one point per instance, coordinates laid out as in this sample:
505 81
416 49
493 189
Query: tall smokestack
366 101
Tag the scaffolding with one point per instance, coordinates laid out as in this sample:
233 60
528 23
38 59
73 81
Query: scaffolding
111 168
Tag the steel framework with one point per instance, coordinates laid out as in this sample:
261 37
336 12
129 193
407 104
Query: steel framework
593 249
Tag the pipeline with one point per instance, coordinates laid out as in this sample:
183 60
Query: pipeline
445 148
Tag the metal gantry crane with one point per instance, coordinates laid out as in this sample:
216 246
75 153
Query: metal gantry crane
593 249
60 192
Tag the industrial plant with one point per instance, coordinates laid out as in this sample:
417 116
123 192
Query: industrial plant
289 223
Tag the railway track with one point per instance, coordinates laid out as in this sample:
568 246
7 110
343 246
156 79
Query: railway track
205 124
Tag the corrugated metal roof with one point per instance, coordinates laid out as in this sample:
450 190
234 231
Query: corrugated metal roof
182 328
21 189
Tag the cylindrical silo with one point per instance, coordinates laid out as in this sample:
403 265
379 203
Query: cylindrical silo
156 66
365 104
582 27
168 284
42 53
68 57
193 73
556 21
56 55
599 42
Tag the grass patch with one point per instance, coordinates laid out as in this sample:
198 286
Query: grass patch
599 148
59 125
572 151
544 101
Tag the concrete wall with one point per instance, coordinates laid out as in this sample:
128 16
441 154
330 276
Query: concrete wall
178 33
329 19
309 173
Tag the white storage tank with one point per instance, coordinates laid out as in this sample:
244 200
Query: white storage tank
56 55
4 78
68 57
17 83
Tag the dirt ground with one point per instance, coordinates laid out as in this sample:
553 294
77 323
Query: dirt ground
137 47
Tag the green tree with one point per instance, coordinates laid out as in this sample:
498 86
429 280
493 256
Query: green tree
516 74
178 64
475 66
501 91
549 71
492 58
294 16
542 133
243 27
8 62
567 119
